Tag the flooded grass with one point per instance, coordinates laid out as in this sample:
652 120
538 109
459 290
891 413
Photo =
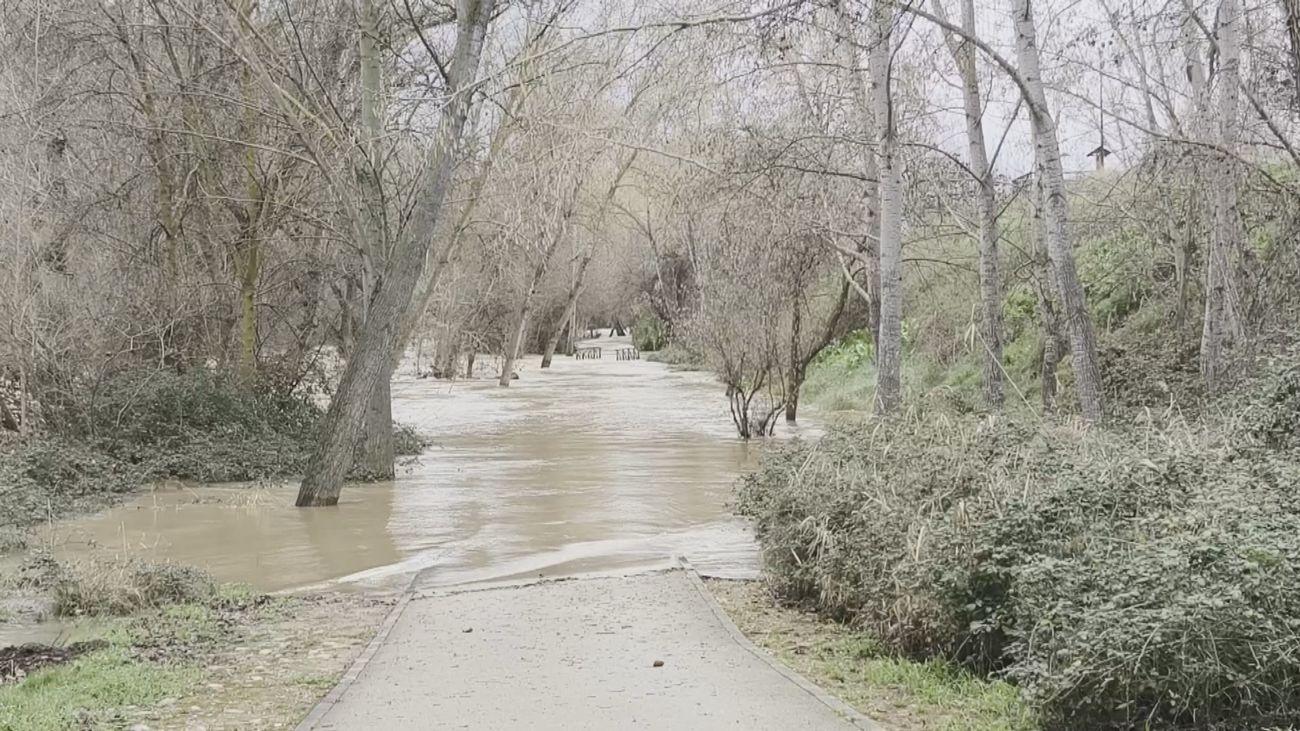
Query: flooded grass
899 694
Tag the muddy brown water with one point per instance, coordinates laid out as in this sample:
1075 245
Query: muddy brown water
591 466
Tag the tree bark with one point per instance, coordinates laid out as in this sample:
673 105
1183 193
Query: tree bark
372 360
1221 327
794 378
248 259
516 344
1049 319
1074 305
869 248
1292 9
248 254
963 54
570 305
889 346
543 265
374 457
374 453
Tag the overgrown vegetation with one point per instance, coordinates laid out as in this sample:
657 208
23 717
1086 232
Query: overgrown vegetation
172 648
898 693
1143 574
161 424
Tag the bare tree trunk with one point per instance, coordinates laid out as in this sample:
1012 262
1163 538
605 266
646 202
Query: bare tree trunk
543 265
1049 319
248 258
566 319
870 245
794 376
571 304
1074 305
375 458
248 254
516 344
372 360
963 54
1292 8
889 347
1221 328
1194 69
374 453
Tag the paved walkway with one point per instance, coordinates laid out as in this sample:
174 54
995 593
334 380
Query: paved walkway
573 655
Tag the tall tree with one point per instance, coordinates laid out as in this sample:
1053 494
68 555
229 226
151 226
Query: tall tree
1074 304
374 453
1222 325
856 69
373 354
889 346
963 54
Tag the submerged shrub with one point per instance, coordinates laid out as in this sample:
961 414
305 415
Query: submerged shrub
44 478
196 425
99 589
1122 578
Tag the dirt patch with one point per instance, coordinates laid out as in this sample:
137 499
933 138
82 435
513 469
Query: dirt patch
237 660
269 665
898 694
19 661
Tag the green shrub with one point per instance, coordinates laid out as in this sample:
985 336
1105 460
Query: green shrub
649 333
45 478
1120 577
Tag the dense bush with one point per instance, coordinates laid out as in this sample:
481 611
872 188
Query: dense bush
1124 577
194 426
44 478
201 425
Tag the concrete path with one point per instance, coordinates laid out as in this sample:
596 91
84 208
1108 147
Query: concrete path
573 655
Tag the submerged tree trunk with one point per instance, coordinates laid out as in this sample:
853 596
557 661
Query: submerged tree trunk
571 304
516 344
566 319
374 452
373 357
375 458
1074 305
1222 327
889 347
514 348
963 54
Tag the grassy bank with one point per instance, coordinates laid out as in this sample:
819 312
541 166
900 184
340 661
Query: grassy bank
170 649
900 694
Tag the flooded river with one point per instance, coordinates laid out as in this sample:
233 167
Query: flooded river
588 467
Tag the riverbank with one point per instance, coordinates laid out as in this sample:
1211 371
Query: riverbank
227 658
